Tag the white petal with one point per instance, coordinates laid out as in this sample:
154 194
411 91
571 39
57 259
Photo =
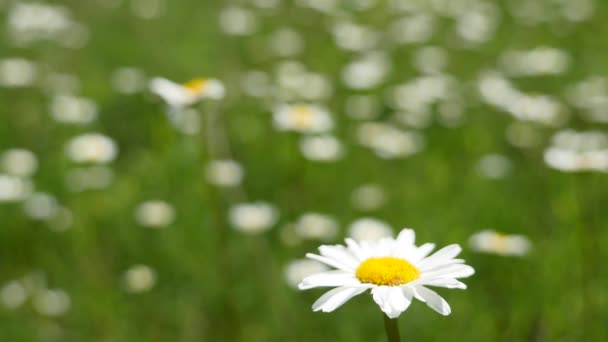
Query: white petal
329 279
406 237
442 255
450 271
330 261
341 254
392 300
333 299
449 283
356 249
433 300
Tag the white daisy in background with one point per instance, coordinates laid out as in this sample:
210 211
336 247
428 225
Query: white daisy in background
189 93
253 218
14 189
299 269
303 118
368 228
92 148
73 110
155 214
316 226
368 197
19 162
139 278
325 148
573 151
224 173
489 241
395 270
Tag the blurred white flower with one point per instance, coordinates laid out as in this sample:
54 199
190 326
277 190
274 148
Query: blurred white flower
17 72
302 118
316 226
352 37
41 206
14 189
297 270
139 278
368 228
388 141
224 173
499 92
538 61
477 24
92 148
238 21
489 241
182 95
155 214
324 148
416 28
430 59
18 162
590 97
286 42
128 80
13 294
368 197
366 72
253 218
186 120
148 9
52 302
494 166
573 151
73 110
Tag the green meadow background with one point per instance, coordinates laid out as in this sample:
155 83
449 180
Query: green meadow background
218 284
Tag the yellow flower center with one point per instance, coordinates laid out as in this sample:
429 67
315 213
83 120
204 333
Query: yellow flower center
196 86
387 271
302 116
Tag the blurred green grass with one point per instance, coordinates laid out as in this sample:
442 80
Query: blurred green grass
206 292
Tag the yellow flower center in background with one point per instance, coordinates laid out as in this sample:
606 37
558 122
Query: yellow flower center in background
302 116
196 86
387 271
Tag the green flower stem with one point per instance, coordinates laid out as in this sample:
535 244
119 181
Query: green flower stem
392 329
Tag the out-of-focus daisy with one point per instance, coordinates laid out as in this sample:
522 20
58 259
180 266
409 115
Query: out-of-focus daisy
389 142
52 302
191 92
14 189
578 151
494 166
368 197
324 148
303 118
17 72
73 110
489 241
368 228
41 206
395 270
316 226
224 172
139 278
155 214
299 269
18 162
92 148
253 218
13 294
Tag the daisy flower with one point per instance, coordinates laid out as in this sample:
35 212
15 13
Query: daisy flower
189 93
303 118
489 241
395 270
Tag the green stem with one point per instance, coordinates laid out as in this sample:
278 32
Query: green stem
392 329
